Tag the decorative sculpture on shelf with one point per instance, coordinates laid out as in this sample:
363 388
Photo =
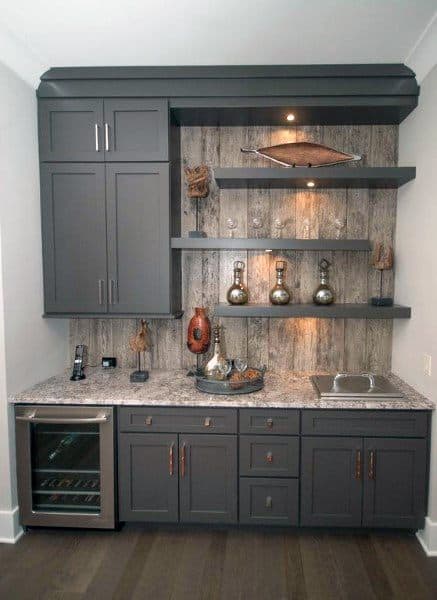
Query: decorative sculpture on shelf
197 180
324 293
140 343
303 154
382 260
198 336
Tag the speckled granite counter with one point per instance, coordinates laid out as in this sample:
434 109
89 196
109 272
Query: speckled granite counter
174 388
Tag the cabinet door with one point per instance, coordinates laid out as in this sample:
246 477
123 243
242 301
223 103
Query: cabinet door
138 237
394 483
74 237
331 481
71 130
208 478
148 477
136 130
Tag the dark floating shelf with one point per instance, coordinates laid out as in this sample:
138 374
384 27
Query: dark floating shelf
323 177
268 244
175 315
333 311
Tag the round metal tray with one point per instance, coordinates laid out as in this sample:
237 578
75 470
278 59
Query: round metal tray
227 387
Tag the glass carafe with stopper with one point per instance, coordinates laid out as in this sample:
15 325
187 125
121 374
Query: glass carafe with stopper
218 367
324 294
280 294
237 293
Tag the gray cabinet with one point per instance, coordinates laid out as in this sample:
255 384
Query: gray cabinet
138 213
71 130
208 478
148 477
394 482
79 130
331 481
73 212
269 501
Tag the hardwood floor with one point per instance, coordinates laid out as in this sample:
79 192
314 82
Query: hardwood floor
164 563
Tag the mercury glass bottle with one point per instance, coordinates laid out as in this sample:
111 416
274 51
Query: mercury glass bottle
324 294
218 367
237 293
280 294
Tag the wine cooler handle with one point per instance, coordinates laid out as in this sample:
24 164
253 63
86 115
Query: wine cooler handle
32 418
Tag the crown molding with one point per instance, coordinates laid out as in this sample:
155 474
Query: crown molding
423 56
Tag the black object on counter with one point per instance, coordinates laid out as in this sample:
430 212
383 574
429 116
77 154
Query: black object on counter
139 376
78 364
109 362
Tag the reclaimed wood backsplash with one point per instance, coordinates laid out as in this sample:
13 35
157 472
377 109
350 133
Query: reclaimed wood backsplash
297 344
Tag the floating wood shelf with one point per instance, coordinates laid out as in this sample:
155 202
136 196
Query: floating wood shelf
268 244
323 177
333 311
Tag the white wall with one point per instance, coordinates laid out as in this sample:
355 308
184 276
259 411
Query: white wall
416 265
31 348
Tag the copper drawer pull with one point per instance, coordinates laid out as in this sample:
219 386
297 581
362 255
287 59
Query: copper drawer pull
148 420
269 457
207 422
358 465
171 460
371 472
269 502
183 460
269 423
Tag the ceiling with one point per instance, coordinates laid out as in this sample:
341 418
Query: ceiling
180 32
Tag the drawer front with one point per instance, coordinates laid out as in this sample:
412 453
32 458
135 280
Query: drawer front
269 501
269 456
177 420
266 421
390 423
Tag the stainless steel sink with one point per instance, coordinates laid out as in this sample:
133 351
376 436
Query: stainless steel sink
346 385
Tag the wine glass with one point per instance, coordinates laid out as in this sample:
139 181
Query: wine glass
240 364
257 224
232 225
306 229
339 225
279 225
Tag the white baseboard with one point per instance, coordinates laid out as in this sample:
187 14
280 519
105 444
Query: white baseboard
10 528
428 537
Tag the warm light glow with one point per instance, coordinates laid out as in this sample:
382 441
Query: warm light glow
310 184
290 117
268 250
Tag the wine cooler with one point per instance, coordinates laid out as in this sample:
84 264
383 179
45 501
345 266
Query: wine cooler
65 466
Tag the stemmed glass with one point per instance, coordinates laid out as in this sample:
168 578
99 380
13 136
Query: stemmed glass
306 229
279 225
339 225
257 224
232 225
240 364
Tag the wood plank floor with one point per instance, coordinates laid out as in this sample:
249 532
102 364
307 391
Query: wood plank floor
164 563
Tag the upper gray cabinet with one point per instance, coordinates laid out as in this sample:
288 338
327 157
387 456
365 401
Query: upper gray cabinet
78 130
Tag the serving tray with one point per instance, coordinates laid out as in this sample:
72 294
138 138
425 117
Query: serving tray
228 387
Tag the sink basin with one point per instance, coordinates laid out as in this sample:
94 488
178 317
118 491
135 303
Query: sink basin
345 385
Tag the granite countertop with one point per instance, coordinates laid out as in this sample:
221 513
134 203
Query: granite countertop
174 388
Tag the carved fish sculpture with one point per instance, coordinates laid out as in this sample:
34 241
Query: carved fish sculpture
303 154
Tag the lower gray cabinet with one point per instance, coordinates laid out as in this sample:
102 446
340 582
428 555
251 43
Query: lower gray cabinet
331 481
208 478
394 482
269 501
148 477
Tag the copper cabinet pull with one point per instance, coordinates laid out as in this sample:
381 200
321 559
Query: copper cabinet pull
269 423
171 460
183 460
371 472
358 465
207 422
148 421
269 457
269 502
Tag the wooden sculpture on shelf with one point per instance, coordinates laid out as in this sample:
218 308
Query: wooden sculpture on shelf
382 260
197 180
140 343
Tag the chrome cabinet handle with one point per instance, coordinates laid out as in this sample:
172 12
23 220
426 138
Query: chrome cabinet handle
96 135
32 418
148 420
106 137
207 422
269 423
269 502
112 291
101 283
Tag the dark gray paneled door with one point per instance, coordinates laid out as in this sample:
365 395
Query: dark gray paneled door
148 477
208 478
331 484
71 130
136 130
74 237
394 482
138 237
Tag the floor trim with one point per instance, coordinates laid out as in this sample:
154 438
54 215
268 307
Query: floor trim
428 537
10 528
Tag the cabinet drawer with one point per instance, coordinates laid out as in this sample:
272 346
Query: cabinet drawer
267 421
178 420
365 422
269 501
265 456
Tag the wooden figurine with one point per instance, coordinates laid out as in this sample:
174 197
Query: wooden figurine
197 179
140 343
382 260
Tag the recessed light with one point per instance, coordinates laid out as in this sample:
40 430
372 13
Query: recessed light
290 117
268 250
310 184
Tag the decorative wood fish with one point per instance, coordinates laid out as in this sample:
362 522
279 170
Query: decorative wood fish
303 154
